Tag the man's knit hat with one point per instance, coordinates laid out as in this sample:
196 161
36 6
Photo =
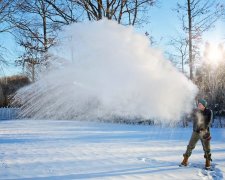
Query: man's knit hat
203 102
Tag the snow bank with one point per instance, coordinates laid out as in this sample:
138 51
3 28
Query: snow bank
105 70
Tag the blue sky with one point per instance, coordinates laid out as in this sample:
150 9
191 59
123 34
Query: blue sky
164 21
163 24
10 53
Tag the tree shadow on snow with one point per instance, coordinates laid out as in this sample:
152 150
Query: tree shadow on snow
113 173
151 166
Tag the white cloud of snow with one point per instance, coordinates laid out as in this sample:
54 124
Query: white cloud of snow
106 70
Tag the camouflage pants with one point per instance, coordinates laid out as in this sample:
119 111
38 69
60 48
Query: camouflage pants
193 141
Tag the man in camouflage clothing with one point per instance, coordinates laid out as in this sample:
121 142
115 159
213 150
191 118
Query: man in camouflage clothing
201 123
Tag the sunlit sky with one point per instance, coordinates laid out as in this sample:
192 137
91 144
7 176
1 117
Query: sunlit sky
163 24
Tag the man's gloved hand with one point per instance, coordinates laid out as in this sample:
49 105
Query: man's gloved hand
207 136
200 130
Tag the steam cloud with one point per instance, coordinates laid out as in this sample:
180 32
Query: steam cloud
102 70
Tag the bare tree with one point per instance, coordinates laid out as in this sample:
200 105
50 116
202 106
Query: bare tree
34 31
5 26
211 81
64 12
31 57
35 23
5 10
198 16
180 51
128 12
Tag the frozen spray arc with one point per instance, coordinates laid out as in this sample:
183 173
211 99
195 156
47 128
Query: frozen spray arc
106 70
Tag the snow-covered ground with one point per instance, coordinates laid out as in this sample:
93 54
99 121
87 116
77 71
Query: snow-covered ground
45 149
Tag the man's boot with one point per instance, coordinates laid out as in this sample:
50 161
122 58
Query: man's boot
207 164
185 161
207 160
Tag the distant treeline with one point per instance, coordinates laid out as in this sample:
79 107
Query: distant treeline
211 83
8 87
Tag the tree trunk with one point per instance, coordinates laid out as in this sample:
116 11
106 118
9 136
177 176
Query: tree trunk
1 96
182 64
135 12
121 10
99 9
190 39
44 26
33 63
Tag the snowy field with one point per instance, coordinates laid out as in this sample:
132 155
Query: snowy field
44 149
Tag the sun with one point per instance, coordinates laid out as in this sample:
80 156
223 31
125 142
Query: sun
214 53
